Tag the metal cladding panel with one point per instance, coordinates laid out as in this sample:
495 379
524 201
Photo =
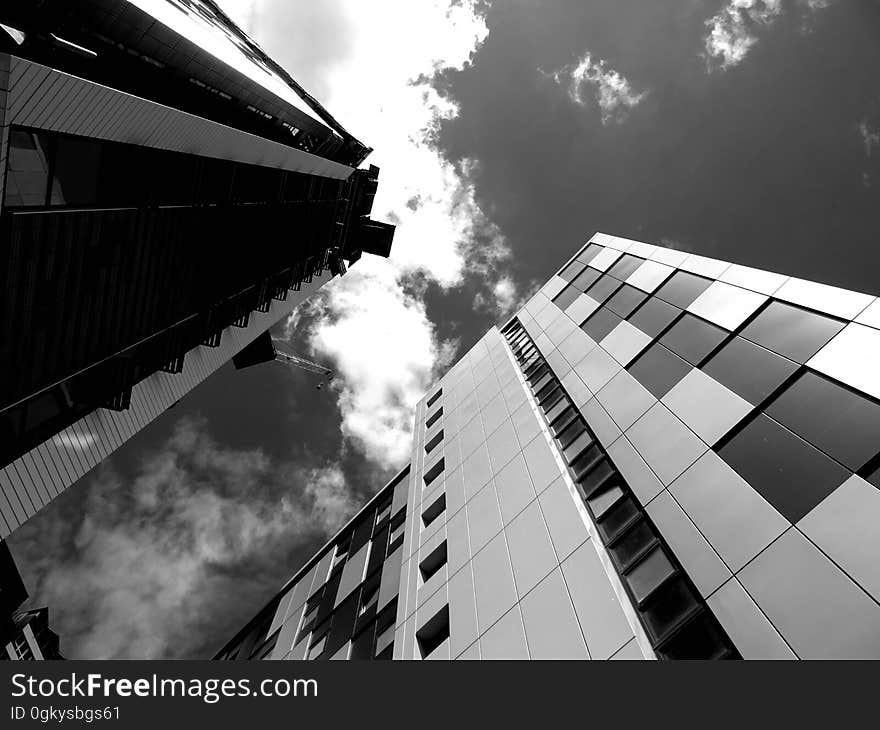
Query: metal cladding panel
92 110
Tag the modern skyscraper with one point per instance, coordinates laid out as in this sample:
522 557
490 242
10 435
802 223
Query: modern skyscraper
167 194
23 634
661 455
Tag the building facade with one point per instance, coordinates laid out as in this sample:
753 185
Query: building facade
167 194
660 456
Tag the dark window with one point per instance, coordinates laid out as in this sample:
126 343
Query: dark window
433 562
843 424
589 253
434 472
872 474
585 279
789 473
572 270
749 370
603 288
434 632
625 300
601 323
658 369
693 338
649 574
437 508
75 179
28 168
791 331
633 544
566 297
433 399
434 417
682 288
671 605
625 266
432 444
654 316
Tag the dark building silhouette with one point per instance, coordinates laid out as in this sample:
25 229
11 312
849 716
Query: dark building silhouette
24 634
167 193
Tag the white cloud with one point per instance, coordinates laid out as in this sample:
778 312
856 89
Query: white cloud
151 555
610 90
733 30
869 136
372 324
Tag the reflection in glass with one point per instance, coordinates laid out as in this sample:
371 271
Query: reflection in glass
791 331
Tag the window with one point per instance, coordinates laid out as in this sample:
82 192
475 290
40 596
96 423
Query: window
396 537
789 473
796 333
659 370
27 179
589 253
843 424
436 508
625 300
433 399
572 270
433 633
601 323
77 167
693 338
434 442
433 563
434 417
585 279
434 472
625 266
682 288
749 370
369 597
603 288
566 297
383 512
649 574
316 648
654 316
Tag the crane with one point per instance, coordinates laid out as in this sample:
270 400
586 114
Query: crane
298 361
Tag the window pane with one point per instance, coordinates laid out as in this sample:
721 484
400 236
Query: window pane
750 371
654 316
603 288
791 331
683 288
625 300
693 338
650 574
658 369
77 162
566 297
601 323
28 168
585 279
625 266
589 253
841 423
572 270
789 473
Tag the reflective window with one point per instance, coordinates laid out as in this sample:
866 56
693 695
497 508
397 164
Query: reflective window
77 166
682 288
649 574
585 279
603 288
572 270
789 473
625 266
658 369
601 323
791 331
749 370
842 423
873 476
589 253
693 338
566 297
625 300
28 168
654 316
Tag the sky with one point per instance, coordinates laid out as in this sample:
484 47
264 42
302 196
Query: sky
507 133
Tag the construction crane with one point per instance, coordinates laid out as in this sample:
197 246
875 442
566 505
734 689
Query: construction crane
298 361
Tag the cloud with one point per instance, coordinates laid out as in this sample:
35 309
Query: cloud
138 568
733 30
590 78
373 325
869 136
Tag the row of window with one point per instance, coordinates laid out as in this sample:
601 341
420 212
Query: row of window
671 610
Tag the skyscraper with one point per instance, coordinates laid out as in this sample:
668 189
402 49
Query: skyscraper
167 194
661 456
